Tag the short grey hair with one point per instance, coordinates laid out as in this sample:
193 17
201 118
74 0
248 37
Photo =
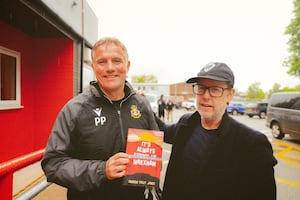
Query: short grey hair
110 40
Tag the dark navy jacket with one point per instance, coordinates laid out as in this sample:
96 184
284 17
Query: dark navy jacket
238 166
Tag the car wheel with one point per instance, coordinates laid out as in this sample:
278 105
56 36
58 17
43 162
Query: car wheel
276 131
250 116
262 115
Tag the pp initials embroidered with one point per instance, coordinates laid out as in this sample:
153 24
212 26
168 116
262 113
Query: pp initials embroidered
100 120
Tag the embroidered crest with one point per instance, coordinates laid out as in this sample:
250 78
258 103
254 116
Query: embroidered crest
135 113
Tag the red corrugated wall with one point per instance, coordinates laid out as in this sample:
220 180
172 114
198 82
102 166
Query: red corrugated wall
46 85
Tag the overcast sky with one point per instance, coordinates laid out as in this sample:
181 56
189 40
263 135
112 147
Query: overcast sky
174 39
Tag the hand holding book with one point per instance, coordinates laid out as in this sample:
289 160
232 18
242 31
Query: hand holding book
116 165
144 148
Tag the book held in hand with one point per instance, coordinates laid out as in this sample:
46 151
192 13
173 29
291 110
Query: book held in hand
145 150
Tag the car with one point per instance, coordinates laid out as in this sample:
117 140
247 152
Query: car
257 109
189 105
236 107
152 98
283 115
178 104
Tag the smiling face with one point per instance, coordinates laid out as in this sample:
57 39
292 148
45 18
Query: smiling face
210 108
110 66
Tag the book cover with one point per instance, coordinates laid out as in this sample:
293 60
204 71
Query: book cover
145 150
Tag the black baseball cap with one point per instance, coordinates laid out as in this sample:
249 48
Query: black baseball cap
215 71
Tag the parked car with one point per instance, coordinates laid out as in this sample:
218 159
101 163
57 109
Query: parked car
257 109
178 104
236 107
152 98
189 105
283 114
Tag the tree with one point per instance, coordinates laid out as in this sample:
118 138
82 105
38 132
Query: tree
255 93
275 88
295 89
293 30
144 79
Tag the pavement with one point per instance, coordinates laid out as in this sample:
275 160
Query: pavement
31 175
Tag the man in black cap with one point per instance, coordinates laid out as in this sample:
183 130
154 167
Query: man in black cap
213 155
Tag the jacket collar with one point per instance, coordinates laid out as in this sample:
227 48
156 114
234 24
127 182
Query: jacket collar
97 92
194 119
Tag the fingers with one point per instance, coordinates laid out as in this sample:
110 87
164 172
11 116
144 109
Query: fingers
116 166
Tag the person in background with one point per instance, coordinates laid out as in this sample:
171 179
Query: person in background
161 107
213 155
85 151
169 109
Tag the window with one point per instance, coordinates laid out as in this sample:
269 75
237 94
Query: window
286 100
9 79
87 71
87 76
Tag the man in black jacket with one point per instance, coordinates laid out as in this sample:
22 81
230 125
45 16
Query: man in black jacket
214 156
85 151
161 107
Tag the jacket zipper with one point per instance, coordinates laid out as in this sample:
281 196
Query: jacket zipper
147 191
121 123
122 132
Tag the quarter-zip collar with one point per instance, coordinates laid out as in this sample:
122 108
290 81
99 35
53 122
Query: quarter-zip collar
97 92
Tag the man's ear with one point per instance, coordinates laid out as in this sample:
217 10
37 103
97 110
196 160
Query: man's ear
128 66
231 94
92 65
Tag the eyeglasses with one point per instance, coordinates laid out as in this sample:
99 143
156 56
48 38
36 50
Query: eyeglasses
213 91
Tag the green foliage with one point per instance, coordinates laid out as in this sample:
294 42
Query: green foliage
277 88
293 30
144 79
287 89
255 93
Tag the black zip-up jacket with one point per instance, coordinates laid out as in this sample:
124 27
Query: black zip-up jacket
238 165
88 130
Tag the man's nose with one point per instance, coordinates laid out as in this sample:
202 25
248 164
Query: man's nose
110 65
206 92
